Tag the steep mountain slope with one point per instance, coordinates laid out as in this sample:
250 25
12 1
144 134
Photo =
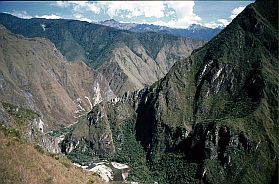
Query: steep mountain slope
194 31
23 163
34 75
123 57
142 61
212 119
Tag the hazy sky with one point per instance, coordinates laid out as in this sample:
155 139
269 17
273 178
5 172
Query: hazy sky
178 14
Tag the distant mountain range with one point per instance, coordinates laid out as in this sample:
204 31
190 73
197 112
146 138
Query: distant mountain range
194 31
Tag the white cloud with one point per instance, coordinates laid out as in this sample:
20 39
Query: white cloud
224 22
24 15
63 4
20 14
170 13
82 18
182 10
133 8
212 25
218 23
185 15
52 16
79 6
236 11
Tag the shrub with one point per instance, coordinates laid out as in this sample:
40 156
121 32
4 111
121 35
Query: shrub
94 179
63 160
39 148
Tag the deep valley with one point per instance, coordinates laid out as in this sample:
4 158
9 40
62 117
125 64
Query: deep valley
89 103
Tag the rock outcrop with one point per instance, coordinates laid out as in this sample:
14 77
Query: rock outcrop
35 75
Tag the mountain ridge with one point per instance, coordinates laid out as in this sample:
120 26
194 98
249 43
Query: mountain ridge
96 44
194 31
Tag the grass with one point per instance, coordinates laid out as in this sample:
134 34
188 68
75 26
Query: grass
21 115
21 118
21 163
94 179
63 160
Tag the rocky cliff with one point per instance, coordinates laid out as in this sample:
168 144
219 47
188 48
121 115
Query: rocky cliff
129 61
143 60
35 75
212 119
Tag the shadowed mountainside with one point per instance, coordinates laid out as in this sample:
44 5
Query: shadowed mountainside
212 119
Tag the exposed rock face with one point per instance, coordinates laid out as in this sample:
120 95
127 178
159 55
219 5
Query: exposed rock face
34 75
132 67
129 61
218 107
92 135
4 116
36 135
28 126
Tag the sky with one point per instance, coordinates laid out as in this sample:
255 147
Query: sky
177 14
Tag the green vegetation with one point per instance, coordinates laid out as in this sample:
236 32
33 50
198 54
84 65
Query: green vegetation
126 144
129 150
21 119
21 115
39 148
212 119
11 132
170 167
174 168
94 179
61 131
63 160
83 158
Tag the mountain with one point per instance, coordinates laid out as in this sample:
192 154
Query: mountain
35 75
40 91
115 24
212 119
194 31
129 61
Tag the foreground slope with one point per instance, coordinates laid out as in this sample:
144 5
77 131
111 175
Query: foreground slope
213 118
22 163
128 60
34 75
